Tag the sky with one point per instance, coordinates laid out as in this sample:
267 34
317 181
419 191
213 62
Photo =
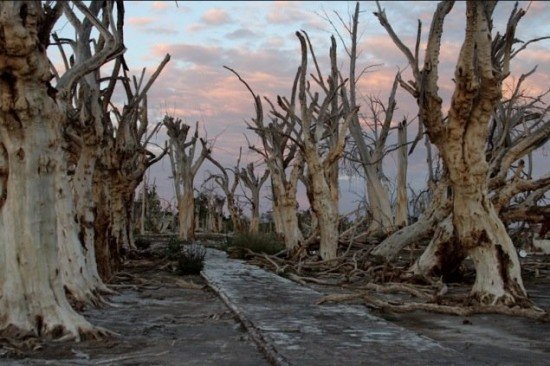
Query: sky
258 40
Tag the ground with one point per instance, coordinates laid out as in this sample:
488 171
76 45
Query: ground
494 339
161 319
166 319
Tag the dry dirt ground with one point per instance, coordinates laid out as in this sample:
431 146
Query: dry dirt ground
494 339
161 319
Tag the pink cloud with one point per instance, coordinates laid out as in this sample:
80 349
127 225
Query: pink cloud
162 30
141 21
162 6
159 5
284 12
195 27
241 33
215 16
290 12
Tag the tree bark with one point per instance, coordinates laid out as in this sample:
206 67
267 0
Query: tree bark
285 214
461 139
33 302
186 211
437 211
443 256
401 211
107 258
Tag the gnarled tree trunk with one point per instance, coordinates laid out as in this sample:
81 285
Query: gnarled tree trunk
462 139
184 169
33 302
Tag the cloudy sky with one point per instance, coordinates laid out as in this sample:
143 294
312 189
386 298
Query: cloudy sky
257 39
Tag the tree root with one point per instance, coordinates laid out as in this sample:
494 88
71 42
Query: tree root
458 310
357 271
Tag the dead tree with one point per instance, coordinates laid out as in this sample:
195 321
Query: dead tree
254 184
184 168
285 165
125 156
33 115
82 138
461 138
401 206
229 188
370 149
213 220
310 118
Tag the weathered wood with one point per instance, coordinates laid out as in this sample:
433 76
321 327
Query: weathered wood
184 168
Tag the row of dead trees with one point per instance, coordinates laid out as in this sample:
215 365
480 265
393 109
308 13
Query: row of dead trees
73 148
71 157
480 179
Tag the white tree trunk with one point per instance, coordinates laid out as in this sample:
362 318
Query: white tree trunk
234 213
485 240
76 260
462 137
255 219
379 204
289 223
443 255
326 212
82 184
437 211
119 219
285 213
186 213
33 301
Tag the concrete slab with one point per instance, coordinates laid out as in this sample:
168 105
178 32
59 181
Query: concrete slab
282 318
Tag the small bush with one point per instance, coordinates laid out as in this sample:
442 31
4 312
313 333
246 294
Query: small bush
191 259
267 243
173 248
142 243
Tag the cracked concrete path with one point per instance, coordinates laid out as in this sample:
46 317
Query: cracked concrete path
283 319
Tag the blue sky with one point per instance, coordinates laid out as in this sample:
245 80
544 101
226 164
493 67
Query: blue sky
257 39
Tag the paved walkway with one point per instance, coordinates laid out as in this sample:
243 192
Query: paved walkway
283 319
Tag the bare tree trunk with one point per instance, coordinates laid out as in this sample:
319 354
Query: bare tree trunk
371 157
438 210
320 161
108 260
229 189
379 204
77 261
143 204
184 169
33 302
443 255
235 214
401 211
82 184
480 70
326 212
254 184
186 212
278 153
288 220
485 240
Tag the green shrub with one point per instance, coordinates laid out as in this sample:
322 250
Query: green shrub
267 243
142 243
191 259
173 248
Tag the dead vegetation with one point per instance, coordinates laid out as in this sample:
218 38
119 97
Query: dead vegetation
390 287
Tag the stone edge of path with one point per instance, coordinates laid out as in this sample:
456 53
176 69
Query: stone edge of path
273 357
